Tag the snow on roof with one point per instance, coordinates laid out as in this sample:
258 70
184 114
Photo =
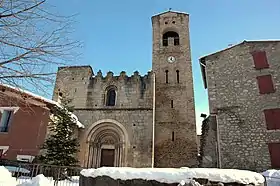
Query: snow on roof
78 123
52 102
30 94
172 175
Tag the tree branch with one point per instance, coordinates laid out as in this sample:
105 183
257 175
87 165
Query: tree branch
28 75
21 11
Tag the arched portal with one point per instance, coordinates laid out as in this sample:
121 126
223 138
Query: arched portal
107 144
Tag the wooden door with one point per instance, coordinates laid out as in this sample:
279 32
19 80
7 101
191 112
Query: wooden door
107 157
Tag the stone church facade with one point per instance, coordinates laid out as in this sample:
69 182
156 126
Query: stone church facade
138 121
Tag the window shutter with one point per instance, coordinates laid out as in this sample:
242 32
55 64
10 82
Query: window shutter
265 84
274 151
269 119
260 60
272 118
276 116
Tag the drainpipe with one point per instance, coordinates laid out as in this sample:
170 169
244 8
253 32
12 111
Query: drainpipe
154 118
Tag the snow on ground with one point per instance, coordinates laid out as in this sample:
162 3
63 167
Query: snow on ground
272 177
6 178
39 180
171 175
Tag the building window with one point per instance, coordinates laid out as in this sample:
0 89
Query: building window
260 60
111 97
178 80
170 34
274 151
171 103
265 84
6 118
172 138
272 118
166 76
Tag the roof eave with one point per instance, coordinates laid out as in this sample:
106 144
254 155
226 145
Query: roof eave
169 11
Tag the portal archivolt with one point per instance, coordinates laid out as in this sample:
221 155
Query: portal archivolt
107 144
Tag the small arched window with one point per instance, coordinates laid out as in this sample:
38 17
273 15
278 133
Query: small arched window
170 34
111 97
166 76
178 77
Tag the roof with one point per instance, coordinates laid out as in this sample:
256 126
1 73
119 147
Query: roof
202 60
170 11
28 94
76 66
240 43
35 97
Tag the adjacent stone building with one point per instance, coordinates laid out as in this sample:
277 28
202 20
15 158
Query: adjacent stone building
138 121
243 83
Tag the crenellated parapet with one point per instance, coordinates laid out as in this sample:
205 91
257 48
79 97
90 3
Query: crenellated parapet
89 89
123 77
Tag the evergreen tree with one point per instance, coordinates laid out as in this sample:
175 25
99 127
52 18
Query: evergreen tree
61 146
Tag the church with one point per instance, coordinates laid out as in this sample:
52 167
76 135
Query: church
138 121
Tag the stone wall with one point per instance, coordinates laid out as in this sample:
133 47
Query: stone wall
107 181
234 96
208 143
175 129
138 125
132 112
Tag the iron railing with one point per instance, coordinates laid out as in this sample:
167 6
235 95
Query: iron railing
57 175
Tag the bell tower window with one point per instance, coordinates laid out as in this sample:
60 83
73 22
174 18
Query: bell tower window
173 35
178 80
111 97
166 76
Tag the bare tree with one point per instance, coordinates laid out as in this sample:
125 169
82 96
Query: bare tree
33 42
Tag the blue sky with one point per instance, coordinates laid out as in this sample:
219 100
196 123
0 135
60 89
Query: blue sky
117 35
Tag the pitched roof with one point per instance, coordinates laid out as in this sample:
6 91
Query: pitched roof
170 11
202 60
25 93
240 43
35 97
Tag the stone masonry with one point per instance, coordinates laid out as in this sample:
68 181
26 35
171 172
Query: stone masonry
208 143
121 113
133 109
175 119
235 100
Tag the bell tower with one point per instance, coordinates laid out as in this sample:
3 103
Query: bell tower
175 129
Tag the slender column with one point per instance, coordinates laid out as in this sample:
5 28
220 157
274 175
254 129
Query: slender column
88 156
121 153
116 155
98 155
95 156
92 156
